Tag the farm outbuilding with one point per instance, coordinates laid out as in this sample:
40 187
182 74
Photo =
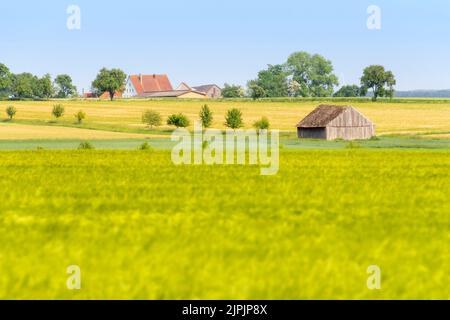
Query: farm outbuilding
336 122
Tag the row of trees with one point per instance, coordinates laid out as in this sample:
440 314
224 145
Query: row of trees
306 75
233 119
57 112
28 86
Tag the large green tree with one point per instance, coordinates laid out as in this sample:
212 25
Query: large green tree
381 82
313 73
109 81
43 88
22 85
64 86
5 78
273 81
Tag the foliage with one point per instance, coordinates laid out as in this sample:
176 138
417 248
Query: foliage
273 81
206 116
5 78
64 85
313 73
86 145
11 112
349 91
233 119
58 111
80 116
262 124
256 91
109 81
146 146
152 118
381 82
232 91
178 120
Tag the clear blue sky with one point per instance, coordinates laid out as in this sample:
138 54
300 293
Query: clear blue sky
201 41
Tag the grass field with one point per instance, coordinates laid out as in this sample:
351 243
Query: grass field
417 117
141 228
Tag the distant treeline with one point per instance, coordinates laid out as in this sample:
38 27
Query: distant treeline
423 94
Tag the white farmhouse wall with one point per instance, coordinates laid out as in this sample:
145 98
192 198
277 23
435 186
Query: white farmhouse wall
130 91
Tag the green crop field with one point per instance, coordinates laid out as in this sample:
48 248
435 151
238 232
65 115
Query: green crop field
141 228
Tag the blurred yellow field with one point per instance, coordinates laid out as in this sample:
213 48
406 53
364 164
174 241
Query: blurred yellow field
125 115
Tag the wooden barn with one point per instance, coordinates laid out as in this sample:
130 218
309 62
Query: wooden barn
336 122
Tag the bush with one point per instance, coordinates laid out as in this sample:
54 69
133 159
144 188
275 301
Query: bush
352 145
11 112
58 111
80 116
146 146
178 120
233 119
151 118
206 116
85 146
262 124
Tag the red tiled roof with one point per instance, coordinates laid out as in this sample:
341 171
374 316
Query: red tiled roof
151 83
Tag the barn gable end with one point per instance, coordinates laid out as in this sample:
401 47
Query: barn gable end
336 122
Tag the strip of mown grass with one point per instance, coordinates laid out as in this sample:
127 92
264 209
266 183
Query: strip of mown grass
140 227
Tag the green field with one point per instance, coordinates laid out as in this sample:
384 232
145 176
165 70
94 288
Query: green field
141 228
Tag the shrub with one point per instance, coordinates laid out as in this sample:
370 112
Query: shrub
86 146
352 145
11 112
80 116
151 118
233 119
58 111
262 124
146 146
178 120
206 116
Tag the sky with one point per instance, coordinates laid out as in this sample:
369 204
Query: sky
202 42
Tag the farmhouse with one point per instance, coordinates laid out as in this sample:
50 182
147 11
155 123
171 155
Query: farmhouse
211 90
139 85
336 122
158 86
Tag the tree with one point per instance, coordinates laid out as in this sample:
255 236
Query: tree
80 116
349 91
232 91
262 124
381 82
178 120
5 78
313 73
256 91
22 85
294 88
11 112
151 118
233 119
42 88
64 86
206 116
273 81
58 111
109 81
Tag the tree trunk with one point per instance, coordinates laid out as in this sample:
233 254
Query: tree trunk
111 95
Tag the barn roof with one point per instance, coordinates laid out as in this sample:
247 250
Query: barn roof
151 83
322 116
205 88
